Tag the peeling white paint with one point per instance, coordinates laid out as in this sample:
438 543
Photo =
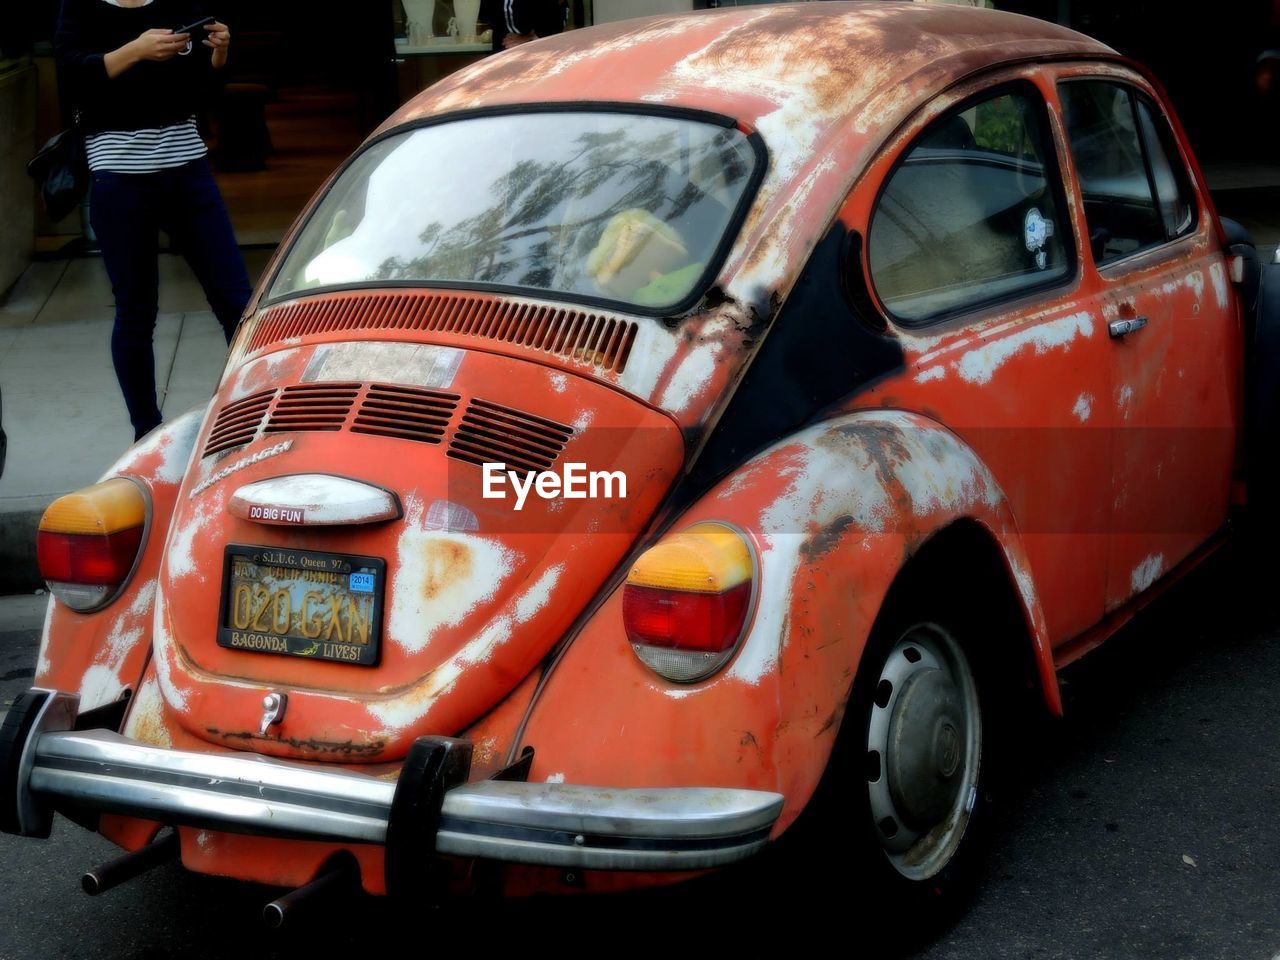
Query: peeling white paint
583 420
1147 572
1124 401
174 442
559 382
652 351
1084 407
103 681
1195 283
43 663
833 474
936 372
146 717
538 595
408 708
98 686
180 558
1218 277
164 653
425 558
555 778
690 378
980 364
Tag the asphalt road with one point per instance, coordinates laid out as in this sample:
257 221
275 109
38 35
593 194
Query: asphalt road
1146 825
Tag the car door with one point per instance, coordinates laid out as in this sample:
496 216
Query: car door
1172 322
974 258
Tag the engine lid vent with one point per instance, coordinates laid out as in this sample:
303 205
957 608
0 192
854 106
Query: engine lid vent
379 409
492 433
596 339
238 422
408 413
312 406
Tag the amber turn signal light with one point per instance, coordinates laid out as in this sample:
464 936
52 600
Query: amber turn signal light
687 601
88 542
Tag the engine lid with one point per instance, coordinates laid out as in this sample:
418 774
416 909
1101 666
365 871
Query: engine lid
476 581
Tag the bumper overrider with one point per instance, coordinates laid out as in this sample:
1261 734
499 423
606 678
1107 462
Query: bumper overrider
430 810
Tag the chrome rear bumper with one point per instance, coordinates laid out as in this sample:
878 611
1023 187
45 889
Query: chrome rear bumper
561 825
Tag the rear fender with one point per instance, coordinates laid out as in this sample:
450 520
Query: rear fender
835 512
101 655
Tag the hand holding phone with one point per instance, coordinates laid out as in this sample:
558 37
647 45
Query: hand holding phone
193 28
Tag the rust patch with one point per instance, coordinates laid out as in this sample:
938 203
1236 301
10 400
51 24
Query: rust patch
447 563
885 446
147 726
825 540
346 748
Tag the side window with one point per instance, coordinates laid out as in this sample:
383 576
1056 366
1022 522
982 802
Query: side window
1132 197
1173 191
972 214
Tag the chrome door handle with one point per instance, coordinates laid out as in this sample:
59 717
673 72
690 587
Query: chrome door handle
1122 328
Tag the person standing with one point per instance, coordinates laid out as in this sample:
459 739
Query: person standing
138 86
518 21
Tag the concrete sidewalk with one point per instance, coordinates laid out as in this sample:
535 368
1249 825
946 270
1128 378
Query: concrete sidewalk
62 407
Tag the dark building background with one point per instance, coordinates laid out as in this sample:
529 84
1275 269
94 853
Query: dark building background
1205 54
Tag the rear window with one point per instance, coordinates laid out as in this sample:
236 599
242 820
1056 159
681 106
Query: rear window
627 208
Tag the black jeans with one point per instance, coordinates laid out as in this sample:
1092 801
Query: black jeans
127 211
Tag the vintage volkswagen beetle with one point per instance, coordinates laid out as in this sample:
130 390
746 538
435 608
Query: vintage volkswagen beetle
852 367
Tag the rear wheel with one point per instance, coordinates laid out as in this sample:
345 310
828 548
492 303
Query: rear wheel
923 752
905 800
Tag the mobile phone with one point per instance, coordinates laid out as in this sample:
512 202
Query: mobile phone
191 28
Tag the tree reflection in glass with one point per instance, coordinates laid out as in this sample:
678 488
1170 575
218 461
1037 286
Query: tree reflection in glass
621 206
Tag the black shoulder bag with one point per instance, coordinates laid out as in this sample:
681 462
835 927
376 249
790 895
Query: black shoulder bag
62 171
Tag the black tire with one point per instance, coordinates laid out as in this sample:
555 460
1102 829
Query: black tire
1262 410
13 738
840 821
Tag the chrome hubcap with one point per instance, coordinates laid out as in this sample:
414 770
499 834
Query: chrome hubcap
923 746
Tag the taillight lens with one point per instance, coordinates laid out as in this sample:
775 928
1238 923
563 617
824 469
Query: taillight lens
687 600
88 542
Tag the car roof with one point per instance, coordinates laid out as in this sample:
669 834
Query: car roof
853 57
806 76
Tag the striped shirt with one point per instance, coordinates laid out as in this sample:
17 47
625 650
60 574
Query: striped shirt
145 151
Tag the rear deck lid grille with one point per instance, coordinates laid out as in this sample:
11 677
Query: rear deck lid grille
492 433
238 422
312 406
408 413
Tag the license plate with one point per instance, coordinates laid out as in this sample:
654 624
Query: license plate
299 603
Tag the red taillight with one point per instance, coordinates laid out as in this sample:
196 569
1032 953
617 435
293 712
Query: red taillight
687 601
88 559
703 622
89 541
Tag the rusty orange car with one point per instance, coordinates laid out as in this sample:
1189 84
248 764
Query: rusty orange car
650 435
